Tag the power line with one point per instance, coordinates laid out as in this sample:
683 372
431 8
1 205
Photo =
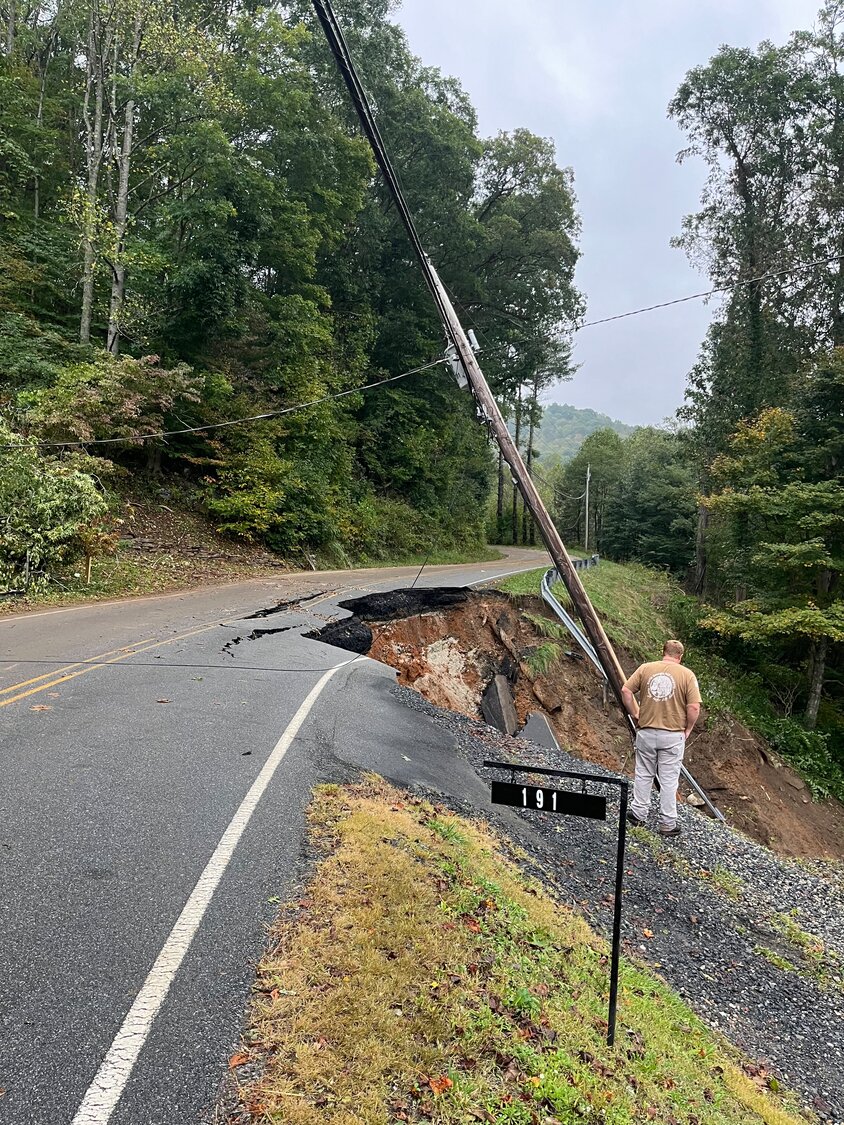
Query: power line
340 51
232 421
427 366
807 266
711 292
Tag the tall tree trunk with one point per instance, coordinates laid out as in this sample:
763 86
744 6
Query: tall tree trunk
121 203
528 525
44 60
94 153
838 298
11 26
517 435
838 191
817 669
121 217
699 580
43 66
754 389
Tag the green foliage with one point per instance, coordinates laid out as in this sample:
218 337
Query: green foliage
766 394
632 601
546 627
739 680
49 508
261 495
640 608
378 528
642 502
226 219
542 658
110 396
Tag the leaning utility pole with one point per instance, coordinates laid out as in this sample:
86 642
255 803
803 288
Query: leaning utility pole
551 537
462 352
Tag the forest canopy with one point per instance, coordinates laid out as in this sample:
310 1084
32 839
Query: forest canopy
191 231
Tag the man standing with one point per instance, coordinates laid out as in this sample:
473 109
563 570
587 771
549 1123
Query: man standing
668 708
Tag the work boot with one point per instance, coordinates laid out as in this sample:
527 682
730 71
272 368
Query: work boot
634 820
675 831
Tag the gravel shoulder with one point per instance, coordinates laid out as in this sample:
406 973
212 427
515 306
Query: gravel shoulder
753 942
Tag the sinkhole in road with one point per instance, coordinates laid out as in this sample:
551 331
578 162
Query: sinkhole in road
447 643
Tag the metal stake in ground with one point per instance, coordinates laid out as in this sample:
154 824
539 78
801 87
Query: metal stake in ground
570 803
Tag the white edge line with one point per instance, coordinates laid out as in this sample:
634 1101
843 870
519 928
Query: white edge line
109 1082
506 574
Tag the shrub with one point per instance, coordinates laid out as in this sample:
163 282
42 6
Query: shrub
49 507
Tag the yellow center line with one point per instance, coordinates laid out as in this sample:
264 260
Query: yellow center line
93 667
70 667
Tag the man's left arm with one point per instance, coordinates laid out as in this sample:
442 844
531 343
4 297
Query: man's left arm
692 712
693 702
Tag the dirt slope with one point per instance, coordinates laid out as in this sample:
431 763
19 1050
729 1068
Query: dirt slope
450 655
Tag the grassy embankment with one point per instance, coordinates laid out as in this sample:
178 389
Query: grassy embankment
424 977
640 607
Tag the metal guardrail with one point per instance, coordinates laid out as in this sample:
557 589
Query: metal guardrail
548 580
585 564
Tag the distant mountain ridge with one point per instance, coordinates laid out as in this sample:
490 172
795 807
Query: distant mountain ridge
564 428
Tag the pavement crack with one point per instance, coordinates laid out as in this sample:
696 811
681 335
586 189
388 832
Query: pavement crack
256 635
290 603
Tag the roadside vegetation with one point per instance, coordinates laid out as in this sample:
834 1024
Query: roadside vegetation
161 541
186 242
452 989
740 496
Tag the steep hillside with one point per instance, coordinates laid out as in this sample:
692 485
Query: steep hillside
565 427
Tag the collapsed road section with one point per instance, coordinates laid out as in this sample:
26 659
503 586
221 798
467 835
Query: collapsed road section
469 651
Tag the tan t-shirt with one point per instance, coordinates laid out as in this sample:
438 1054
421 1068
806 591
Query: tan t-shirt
664 689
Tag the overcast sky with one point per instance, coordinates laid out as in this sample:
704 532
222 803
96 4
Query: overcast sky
597 77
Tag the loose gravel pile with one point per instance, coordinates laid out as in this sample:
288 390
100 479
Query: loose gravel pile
753 942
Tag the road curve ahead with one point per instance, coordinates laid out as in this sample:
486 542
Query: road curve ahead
156 764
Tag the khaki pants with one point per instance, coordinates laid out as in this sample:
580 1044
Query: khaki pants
659 753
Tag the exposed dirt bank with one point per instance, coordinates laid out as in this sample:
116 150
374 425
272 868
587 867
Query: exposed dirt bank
449 654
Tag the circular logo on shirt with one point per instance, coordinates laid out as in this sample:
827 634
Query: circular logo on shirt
661 687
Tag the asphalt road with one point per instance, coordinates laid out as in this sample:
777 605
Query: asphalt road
151 819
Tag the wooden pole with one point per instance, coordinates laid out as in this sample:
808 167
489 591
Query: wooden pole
475 377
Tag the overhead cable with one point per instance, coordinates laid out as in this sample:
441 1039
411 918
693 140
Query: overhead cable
340 50
711 292
232 421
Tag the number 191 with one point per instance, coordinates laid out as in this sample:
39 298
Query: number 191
540 798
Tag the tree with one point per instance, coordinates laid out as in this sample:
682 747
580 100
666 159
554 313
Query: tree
779 527
604 453
742 115
645 498
187 181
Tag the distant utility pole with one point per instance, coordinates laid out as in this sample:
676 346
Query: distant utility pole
586 536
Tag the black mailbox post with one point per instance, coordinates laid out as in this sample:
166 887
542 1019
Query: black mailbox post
572 802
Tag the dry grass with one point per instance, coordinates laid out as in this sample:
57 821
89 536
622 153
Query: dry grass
425 979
